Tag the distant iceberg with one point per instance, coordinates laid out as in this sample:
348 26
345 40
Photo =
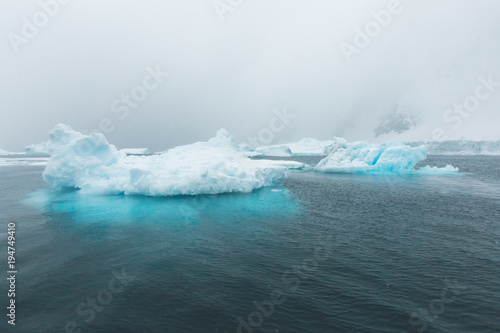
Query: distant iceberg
23 161
393 157
136 151
4 152
462 147
428 170
59 136
274 151
314 147
304 147
92 164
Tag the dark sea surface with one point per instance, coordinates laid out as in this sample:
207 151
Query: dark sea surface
319 253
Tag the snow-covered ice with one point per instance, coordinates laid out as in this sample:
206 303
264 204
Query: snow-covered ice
275 151
428 170
6 153
92 164
135 151
304 147
393 157
314 147
59 136
462 147
24 161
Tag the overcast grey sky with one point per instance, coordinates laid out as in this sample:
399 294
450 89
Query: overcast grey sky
230 63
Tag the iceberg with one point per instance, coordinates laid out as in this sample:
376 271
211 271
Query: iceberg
428 170
59 136
275 151
4 152
264 151
304 147
394 157
90 163
23 161
314 147
462 147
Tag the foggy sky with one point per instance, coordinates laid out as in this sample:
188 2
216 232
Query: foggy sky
265 55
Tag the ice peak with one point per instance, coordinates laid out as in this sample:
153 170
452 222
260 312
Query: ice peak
222 138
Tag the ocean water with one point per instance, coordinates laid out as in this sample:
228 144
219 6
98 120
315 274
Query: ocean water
319 253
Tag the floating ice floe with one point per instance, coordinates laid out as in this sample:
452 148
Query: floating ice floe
428 170
9 153
24 161
59 136
393 157
90 163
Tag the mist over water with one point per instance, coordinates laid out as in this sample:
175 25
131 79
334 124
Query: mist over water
401 83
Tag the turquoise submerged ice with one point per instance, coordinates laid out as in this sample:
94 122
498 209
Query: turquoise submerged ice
92 164
394 157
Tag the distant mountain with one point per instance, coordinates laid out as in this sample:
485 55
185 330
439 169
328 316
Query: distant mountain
397 121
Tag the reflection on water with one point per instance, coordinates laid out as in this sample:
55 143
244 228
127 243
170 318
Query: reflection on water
271 202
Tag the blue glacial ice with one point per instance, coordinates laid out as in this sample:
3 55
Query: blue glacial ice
394 157
90 163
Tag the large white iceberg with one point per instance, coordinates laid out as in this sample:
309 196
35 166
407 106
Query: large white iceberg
59 136
393 157
90 163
